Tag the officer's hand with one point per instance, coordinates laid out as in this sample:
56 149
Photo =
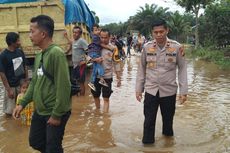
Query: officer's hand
182 98
10 93
53 121
138 96
16 112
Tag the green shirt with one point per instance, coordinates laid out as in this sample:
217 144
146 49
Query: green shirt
50 98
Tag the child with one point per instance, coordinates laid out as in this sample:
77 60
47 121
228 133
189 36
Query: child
94 51
27 112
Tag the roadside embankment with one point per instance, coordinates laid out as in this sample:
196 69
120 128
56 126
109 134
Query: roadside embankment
218 56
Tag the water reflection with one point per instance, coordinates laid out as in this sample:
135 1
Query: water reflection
92 129
201 125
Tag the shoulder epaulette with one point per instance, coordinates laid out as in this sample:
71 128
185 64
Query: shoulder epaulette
174 42
149 42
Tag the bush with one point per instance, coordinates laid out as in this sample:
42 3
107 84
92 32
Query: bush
210 54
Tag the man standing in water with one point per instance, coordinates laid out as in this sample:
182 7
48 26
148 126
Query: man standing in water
129 44
51 97
78 47
107 63
157 77
12 69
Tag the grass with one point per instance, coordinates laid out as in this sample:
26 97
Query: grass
220 57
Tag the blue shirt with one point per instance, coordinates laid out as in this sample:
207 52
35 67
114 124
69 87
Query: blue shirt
95 47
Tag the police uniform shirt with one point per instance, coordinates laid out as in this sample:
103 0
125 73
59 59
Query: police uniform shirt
108 64
158 67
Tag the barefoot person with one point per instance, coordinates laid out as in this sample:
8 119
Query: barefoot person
107 64
94 51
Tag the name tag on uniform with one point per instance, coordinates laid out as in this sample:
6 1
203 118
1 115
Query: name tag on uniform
170 57
170 54
151 54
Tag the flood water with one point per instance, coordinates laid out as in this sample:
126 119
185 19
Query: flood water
202 125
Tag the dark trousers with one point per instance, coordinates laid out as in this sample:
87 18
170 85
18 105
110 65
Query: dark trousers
167 106
44 137
128 50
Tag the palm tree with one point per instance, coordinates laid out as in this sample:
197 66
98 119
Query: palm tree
177 25
142 21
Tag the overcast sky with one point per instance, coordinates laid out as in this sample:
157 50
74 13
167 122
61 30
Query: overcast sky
110 11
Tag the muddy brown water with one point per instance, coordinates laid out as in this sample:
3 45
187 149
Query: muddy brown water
202 125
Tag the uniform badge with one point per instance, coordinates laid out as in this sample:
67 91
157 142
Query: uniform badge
170 59
181 50
152 49
171 49
151 65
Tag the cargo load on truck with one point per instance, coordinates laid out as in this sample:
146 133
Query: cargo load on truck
15 16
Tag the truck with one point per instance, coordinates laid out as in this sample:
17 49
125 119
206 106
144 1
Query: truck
15 17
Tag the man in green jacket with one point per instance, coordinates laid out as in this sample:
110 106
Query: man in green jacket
50 96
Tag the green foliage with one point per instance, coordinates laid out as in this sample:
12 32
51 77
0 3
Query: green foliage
216 56
117 29
214 25
216 18
142 21
177 26
194 6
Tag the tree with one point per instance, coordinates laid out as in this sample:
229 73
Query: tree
177 25
116 28
216 18
142 21
194 6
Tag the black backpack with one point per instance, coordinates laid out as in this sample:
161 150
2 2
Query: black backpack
119 44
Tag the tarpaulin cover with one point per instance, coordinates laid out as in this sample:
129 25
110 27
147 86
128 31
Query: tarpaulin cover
15 1
78 11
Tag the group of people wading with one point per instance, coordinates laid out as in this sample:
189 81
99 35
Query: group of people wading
162 59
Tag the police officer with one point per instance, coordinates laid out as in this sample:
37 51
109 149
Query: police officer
157 77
